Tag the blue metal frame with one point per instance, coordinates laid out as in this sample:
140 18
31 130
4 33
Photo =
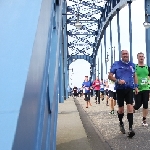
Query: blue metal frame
65 49
108 14
98 67
130 30
118 29
105 50
87 21
72 58
147 19
101 62
111 48
37 122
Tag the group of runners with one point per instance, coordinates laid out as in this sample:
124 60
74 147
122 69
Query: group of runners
127 82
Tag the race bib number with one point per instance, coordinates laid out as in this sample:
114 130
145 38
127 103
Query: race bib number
97 83
144 81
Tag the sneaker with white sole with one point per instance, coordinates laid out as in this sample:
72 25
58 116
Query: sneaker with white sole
144 123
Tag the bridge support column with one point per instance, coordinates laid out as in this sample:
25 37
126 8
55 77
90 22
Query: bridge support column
105 50
26 104
111 48
94 68
147 19
65 49
61 77
101 62
130 30
118 29
98 67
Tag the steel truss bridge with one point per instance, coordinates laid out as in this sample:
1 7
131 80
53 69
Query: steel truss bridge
39 40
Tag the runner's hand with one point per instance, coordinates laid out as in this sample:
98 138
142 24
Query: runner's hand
121 82
136 91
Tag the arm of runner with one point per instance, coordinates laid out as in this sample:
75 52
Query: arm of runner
112 72
136 83
135 79
111 77
93 84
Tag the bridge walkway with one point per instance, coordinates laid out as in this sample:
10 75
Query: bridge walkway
97 130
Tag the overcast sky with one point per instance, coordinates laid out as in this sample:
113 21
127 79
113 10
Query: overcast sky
81 67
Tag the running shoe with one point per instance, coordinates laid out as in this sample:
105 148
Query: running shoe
122 130
144 123
111 112
131 133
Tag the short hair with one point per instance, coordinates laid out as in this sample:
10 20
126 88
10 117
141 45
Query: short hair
86 76
140 53
124 50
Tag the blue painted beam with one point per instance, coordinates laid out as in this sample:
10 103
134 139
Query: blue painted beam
61 77
61 72
118 29
36 127
31 106
98 68
65 41
105 50
94 69
72 58
101 62
105 20
130 30
147 19
18 26
111 48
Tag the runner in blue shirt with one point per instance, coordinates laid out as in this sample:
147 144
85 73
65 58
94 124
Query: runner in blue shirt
125 80
87 85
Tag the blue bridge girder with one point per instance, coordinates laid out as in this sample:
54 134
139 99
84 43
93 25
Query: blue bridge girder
36 75
111 9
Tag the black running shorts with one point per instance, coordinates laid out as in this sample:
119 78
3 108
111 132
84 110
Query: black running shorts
141 98
124 95
87 96
112 94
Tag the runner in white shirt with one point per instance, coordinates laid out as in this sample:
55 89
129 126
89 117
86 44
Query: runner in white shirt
106 88
102 89
112 96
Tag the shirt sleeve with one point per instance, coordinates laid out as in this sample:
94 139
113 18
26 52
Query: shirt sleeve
113 68
93 83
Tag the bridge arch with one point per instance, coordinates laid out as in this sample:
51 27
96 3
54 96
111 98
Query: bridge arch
72 58
108 14
117 7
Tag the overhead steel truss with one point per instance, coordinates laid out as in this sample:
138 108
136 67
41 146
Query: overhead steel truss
82 41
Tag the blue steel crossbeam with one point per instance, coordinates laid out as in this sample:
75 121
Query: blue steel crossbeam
72 58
